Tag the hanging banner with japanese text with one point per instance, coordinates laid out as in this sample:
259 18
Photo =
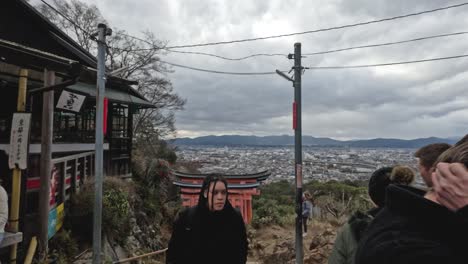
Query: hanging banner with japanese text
19 139
70 101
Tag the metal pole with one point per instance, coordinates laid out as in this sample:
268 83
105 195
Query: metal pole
99 171
297 117
46 161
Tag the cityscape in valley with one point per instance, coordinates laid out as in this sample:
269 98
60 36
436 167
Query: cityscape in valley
319 163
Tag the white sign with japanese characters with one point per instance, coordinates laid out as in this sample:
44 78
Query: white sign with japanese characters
19 139
70 101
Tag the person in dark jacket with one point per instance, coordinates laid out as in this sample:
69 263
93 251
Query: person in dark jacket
348 236
210 232
415 228
307 208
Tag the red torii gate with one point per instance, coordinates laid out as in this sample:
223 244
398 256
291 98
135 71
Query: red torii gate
241 189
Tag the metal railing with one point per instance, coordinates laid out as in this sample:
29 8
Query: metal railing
69 173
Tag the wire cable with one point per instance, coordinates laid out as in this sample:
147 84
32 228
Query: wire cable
319 67
387 44
91 36
384 64
284 35
318 30
208 54
231 59
300 33
217 72
307 54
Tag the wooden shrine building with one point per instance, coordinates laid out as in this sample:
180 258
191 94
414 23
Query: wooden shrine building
241 189
30 43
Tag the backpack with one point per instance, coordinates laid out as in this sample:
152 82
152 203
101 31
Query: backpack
358 223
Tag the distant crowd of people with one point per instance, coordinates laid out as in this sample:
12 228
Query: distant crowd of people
408 225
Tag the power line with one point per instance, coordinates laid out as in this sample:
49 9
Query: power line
231 59
277 36
217 72
319 67
69 20
189 52
387 44
211 54
317 30
306 32
384 64
309 54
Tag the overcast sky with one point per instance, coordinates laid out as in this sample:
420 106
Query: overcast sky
406 101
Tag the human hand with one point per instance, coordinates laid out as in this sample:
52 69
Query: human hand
450 182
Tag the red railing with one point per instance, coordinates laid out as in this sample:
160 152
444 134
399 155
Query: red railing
68 174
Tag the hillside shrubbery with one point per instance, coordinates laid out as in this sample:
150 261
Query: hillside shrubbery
268 211
115 209
337 200
63 247
275 205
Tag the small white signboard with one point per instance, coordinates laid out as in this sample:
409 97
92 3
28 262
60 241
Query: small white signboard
19 140
70 101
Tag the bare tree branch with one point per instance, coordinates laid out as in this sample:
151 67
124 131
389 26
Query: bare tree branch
124 51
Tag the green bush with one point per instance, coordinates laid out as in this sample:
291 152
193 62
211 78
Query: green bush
151 201
63 247
347 198
115 210
269 211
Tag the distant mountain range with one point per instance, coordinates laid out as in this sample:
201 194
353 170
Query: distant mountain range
236 140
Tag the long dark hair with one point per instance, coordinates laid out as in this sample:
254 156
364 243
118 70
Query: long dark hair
202 200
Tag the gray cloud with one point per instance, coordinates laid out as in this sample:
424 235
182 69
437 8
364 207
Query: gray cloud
406 101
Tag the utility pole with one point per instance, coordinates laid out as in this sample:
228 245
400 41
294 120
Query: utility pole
46 161
297 125
103 31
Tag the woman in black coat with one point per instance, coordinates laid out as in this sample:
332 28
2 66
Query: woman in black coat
210 232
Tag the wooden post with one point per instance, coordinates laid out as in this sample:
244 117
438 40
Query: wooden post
64 181
31 251
16 181
131 110
80 168
46 162
74 181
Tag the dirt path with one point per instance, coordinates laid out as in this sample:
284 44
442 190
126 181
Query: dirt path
275 244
